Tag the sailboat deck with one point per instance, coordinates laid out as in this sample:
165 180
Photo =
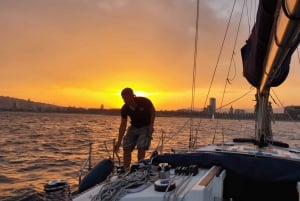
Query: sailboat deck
198 187
213 182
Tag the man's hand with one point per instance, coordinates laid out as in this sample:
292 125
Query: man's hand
117 147
151 129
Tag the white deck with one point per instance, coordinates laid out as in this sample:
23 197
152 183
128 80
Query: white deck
203 186
207 185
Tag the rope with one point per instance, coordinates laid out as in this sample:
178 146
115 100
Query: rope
229 103
116 189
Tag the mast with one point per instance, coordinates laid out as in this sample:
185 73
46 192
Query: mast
284 40
285 37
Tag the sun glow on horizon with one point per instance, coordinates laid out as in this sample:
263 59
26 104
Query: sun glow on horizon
141 93
85 59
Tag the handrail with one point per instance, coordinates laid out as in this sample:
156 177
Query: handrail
88 160
206 179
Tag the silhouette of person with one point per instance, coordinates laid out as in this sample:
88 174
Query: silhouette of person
142 114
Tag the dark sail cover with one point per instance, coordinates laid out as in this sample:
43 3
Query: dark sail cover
255 50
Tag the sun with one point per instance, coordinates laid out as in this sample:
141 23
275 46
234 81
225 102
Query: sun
141 93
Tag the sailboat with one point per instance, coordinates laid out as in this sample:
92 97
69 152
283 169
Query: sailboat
259 168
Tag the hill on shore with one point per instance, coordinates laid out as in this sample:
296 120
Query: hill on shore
10 103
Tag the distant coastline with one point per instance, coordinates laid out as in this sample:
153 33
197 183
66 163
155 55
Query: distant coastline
10 104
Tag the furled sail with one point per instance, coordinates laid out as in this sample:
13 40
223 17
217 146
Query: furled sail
265 35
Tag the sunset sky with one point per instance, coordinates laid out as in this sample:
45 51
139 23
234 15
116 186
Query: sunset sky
82 53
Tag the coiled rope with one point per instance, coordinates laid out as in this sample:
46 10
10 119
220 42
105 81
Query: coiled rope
116 189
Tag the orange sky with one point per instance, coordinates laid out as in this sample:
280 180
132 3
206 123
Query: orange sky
83 52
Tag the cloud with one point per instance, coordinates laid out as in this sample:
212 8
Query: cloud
91 43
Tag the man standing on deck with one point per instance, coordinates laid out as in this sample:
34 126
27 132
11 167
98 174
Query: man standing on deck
142 114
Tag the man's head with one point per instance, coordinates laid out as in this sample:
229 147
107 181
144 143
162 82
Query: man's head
127 91
128 96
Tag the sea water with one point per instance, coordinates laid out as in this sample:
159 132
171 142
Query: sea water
36 148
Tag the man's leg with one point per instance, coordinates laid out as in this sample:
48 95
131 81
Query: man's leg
127 158
141 154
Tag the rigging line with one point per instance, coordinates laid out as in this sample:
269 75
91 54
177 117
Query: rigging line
280 103
274 101
178 131
220 52
217 64
194 72
289 115
195 59
251 89
214 136
232 55
234 64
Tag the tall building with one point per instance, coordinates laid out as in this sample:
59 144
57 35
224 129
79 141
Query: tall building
212 104
231 110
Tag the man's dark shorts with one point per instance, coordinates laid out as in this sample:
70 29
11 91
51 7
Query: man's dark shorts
140 137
